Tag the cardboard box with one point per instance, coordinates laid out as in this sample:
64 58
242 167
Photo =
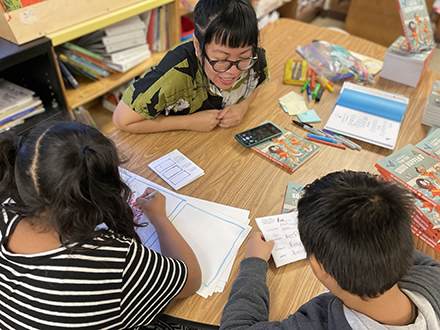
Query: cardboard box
22 25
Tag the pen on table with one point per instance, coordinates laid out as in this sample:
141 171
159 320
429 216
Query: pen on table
319 95
309 128
309 93
326 84
327 143
305 85
150 196
322 138
343 139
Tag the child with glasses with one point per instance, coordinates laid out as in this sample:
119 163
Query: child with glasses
203 83
57 270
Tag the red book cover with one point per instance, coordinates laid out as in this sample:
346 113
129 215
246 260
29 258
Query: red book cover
151 29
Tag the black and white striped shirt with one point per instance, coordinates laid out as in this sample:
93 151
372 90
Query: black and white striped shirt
117 286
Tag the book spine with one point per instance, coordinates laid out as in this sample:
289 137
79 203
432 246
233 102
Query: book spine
123 37
405 29
69 76
83 51
426 226
403 183
272 159
418 232
81 71
89 66
126 44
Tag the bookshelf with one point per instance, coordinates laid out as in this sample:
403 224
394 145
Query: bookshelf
89 92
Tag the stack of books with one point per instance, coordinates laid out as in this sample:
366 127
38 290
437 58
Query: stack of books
403 66
76 60
82 115
407 59
431 116
122 45
417 168
110 100
16 104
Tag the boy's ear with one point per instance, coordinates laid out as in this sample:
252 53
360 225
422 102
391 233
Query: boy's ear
197 46
317 268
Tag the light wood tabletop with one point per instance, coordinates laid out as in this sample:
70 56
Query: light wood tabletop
242 178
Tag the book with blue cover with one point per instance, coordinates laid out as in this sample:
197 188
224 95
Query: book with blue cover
368 115
293 194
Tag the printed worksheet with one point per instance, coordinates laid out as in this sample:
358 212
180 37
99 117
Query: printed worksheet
283 229
176 169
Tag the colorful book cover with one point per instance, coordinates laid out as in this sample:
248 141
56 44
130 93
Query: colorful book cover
416 24
10 5
431 144
400 47
415 170
293 193
288 150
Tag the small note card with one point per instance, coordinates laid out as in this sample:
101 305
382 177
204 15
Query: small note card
283 229
176 169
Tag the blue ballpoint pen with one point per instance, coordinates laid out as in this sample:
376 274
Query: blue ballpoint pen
309 93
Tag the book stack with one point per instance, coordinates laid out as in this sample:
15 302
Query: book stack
403 66
417 168
431 116
110 100
82 115
76 60
17 104
122 45
407 59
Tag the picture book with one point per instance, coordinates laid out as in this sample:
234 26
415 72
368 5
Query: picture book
288 150
417 231
283 229
416 171
431 115
368 115
431 144
416 24
293 193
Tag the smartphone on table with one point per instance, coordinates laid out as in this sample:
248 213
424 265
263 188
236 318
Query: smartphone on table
258 134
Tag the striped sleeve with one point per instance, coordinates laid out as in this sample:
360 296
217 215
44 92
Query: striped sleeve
150 281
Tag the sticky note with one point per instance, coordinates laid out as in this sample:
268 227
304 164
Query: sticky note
309 117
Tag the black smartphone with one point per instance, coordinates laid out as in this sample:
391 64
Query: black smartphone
258 134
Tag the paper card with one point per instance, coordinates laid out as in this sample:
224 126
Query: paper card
176 169
283 229
293 103
309 117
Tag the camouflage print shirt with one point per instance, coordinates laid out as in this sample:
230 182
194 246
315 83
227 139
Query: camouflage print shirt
178 85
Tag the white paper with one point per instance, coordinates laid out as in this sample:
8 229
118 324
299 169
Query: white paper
176 169
283 229
215 232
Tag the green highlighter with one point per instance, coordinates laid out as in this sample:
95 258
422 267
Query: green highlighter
316 90
305 85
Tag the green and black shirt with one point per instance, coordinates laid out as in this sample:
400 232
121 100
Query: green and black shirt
178 85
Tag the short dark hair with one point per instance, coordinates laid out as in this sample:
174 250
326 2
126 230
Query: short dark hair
359 228
231 23
69 172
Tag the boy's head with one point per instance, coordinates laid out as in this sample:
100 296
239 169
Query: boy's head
358 227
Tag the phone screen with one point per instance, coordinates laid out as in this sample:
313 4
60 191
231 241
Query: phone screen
258 134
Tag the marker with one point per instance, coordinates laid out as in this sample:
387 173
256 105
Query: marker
326 84
312 81
305 85
327 143
321 138
343 139
309 93
315 91
309 128
344 76
319 95
150 196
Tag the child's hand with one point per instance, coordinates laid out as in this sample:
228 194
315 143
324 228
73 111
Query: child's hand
258 247
154 208
232 115
204 121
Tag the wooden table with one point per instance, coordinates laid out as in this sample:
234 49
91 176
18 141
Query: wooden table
242 178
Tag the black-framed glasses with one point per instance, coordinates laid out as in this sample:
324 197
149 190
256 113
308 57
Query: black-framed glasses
225 65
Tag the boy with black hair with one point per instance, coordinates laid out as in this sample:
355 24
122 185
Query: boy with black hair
356 230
